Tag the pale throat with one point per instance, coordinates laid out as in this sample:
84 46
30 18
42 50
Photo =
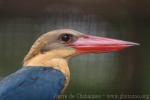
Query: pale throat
44 61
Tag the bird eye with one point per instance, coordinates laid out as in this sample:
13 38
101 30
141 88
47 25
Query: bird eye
66 37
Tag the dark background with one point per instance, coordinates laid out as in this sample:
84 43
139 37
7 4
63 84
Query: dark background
126 72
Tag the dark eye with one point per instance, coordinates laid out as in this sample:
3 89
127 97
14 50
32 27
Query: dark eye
66 37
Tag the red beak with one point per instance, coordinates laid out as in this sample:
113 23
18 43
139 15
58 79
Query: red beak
93 44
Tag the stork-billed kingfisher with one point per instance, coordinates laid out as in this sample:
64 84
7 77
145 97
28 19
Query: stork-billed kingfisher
45 73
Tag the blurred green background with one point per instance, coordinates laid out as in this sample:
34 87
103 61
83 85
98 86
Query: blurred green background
126 72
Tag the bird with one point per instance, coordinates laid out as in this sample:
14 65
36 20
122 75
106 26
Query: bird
45 74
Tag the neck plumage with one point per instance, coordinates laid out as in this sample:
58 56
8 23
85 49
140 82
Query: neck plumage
57 59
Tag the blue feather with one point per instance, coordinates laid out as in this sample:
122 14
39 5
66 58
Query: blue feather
32 83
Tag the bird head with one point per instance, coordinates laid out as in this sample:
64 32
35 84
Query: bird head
54 48
66 43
